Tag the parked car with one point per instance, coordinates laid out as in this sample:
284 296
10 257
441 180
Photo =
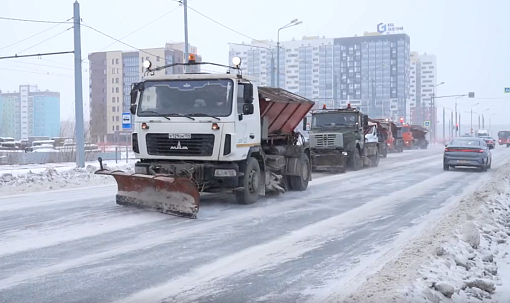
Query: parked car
468 152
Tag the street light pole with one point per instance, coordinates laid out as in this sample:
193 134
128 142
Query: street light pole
292 23
483 119
434 114
273 80
471 131
186 50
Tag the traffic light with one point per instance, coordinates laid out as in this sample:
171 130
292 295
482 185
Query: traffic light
457 127
471 95
401 120
324 106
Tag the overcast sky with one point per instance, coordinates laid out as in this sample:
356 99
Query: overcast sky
469 37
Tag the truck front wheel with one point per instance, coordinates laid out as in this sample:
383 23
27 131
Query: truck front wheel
251 182
300 183
356 162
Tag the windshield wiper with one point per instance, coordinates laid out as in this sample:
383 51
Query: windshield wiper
201 114
182 115
154 112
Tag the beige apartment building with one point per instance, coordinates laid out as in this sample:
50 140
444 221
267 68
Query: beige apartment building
111 76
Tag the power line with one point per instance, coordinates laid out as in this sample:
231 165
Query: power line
33 35
33 21
229 28
37 55
40 73
140 28
44 40
106 35
31 63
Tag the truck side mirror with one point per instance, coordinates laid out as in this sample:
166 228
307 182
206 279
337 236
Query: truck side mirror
305 122
132 109
365 120
248 93
248 109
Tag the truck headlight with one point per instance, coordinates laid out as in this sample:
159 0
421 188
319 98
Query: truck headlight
344 153
225 173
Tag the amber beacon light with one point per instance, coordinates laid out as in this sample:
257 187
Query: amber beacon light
191 58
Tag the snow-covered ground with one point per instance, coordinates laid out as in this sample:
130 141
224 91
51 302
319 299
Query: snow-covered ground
336 242
36 177
463 257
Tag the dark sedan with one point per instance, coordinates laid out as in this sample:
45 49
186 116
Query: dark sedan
470 152
490 142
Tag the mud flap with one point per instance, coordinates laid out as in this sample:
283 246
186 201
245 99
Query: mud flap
160 193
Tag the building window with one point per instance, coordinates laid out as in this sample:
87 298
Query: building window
117 118
113 108
117 61
113 119
113 99
116 89
117 80
116 127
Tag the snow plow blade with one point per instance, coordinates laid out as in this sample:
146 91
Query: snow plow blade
160 193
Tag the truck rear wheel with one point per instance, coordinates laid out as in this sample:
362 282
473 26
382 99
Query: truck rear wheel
300 183
374 160
356 162
251 182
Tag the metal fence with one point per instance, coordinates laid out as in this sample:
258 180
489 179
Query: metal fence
22 158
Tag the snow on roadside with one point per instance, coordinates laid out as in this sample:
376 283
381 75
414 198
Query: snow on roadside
465 257
57 177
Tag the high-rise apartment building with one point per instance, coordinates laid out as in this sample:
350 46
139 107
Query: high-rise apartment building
29 112
111 76
423 82
369 71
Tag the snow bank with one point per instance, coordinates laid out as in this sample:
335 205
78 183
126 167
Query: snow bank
52 177
463 258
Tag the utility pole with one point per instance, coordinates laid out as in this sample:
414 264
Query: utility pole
460 123
278 61
471 131
456 131
186 50
273 80
479 126
444 124
78 90
452 127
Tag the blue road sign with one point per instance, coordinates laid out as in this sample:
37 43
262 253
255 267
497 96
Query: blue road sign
426 123
126 120
507 90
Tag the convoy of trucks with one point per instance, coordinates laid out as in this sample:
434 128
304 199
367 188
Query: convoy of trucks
197 132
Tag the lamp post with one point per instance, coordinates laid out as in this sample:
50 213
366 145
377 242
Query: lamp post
471 131
273 80
434 113
483 119
292 23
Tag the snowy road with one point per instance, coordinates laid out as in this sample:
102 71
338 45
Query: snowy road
77 245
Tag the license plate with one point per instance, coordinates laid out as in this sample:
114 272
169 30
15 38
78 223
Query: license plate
179 136
462 161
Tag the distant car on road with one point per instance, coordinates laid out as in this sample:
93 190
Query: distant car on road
490 142
469 152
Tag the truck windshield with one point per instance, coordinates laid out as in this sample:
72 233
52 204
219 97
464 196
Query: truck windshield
321 120
405 129
187 97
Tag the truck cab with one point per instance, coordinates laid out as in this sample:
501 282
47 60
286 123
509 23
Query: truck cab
341 138
220 131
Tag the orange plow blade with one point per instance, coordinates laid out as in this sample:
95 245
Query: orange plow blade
160 193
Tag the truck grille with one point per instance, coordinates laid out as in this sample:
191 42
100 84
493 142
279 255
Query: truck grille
325 140
199 145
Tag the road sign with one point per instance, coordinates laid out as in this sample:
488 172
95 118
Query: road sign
507 90
426 123
126 120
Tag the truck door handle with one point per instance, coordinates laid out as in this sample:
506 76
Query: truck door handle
252 136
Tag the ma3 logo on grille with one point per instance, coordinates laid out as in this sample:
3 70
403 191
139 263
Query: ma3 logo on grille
178 146
179 136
